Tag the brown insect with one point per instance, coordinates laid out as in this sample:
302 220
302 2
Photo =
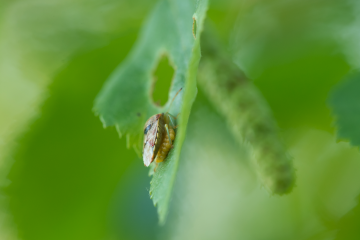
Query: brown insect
159 136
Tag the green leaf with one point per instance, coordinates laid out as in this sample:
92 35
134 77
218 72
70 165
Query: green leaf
125 100
345 103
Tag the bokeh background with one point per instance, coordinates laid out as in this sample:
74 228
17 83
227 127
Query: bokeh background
63 176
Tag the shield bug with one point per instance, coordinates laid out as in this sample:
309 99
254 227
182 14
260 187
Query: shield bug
159 135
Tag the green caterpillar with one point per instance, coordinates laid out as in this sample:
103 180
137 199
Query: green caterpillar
247 114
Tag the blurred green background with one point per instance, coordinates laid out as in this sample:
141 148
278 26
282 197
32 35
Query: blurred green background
63 176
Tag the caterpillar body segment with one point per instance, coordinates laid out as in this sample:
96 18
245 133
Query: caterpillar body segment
165 146
248 116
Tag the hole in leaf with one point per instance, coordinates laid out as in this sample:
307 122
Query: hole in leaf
194 27
163 75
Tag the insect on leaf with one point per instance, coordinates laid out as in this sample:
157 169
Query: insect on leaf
125 100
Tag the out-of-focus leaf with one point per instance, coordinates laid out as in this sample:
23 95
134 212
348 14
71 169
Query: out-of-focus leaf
268 33
125 100
345 103
67 168
217 196
348 227
37 40
292 52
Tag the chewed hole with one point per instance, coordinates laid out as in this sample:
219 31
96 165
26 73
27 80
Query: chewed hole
162 77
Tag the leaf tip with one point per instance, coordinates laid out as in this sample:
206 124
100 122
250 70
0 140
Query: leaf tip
137 150
118 130
128 141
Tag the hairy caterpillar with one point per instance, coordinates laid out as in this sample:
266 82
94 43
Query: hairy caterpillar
248 116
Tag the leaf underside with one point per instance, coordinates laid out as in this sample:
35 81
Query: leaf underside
125 99
345 103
